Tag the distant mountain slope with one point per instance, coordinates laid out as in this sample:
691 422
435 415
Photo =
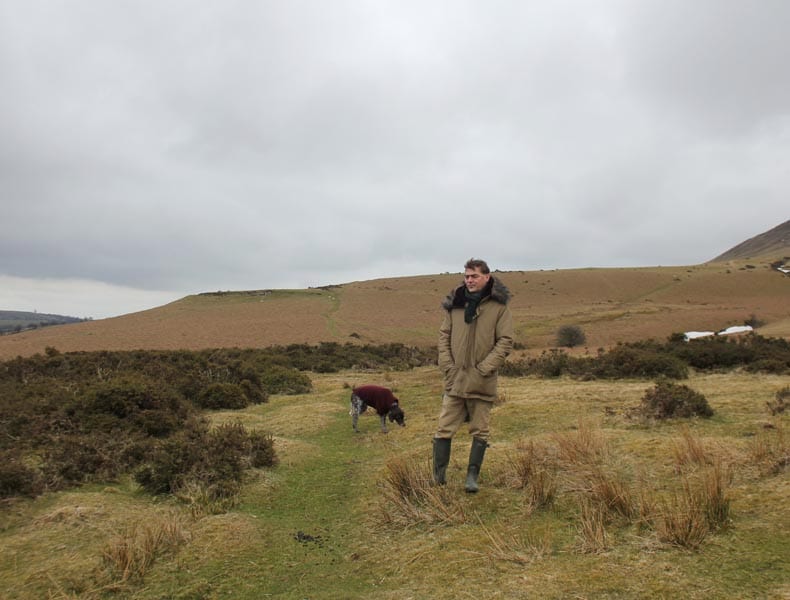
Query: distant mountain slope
611 305
17 320
775 242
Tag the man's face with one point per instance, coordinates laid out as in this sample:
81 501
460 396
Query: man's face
475 280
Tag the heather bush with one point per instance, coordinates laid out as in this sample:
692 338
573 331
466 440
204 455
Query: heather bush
282 380
569 336
552 363
135 404
16 478
219 396
753 352
253 391
620 362
213 460
90 416
261 450
75 458
780 402
633 361
668 400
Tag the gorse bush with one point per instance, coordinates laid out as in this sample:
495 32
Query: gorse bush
285 380
223 396
569 336
633 361
213 459
71 418
651 359
780 402
130 404
16 478
623 361
667 400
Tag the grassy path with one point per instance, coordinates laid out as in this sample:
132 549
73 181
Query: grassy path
314 518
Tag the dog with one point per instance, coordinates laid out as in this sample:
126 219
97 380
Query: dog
382 400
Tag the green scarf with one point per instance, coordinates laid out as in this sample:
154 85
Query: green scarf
472 300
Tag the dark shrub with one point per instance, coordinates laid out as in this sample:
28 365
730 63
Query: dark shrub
550 364
78 458
780 404
753 321
282 380
767 365
633 361
173 459
569 336
213 459
253 391
515 368
132 404
667 400
713 353
223 396
262 450
17 479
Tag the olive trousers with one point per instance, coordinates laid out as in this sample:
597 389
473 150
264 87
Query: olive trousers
456 410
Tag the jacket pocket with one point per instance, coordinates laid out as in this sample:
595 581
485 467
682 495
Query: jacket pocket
449 377
480 384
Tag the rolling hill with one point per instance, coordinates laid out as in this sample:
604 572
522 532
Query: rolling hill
774 243
12 321
611 305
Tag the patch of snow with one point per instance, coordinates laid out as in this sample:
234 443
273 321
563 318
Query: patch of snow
693 335
736 329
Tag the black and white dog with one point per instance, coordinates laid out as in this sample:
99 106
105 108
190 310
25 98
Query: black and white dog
379 398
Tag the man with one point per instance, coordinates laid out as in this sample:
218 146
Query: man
475 338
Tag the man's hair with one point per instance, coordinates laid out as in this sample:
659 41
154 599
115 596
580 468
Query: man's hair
476 263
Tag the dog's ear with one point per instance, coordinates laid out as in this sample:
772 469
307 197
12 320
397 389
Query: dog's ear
397 415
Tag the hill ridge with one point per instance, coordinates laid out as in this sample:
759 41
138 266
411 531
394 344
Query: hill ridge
775 241
610 304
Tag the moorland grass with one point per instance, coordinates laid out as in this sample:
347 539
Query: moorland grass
320 524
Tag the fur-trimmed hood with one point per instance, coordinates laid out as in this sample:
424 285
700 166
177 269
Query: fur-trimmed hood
495 289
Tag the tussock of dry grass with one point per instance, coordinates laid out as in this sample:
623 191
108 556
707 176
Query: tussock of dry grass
690 451
593 537
411 497
584 445
516 548
699 507
132 552
532 467
90 543
610 491
770 451
578 464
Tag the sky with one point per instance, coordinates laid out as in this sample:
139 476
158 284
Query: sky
152 149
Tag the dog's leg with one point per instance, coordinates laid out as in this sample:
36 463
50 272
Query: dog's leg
356 403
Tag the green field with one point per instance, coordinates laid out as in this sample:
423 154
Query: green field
327 522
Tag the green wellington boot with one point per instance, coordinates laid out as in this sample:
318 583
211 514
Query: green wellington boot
441 458
476 455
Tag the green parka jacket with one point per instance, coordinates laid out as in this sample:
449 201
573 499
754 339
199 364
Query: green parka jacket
470 354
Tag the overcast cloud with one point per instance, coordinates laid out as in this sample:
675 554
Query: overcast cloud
153 149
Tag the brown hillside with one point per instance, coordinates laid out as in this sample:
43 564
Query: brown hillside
611 305
774 244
